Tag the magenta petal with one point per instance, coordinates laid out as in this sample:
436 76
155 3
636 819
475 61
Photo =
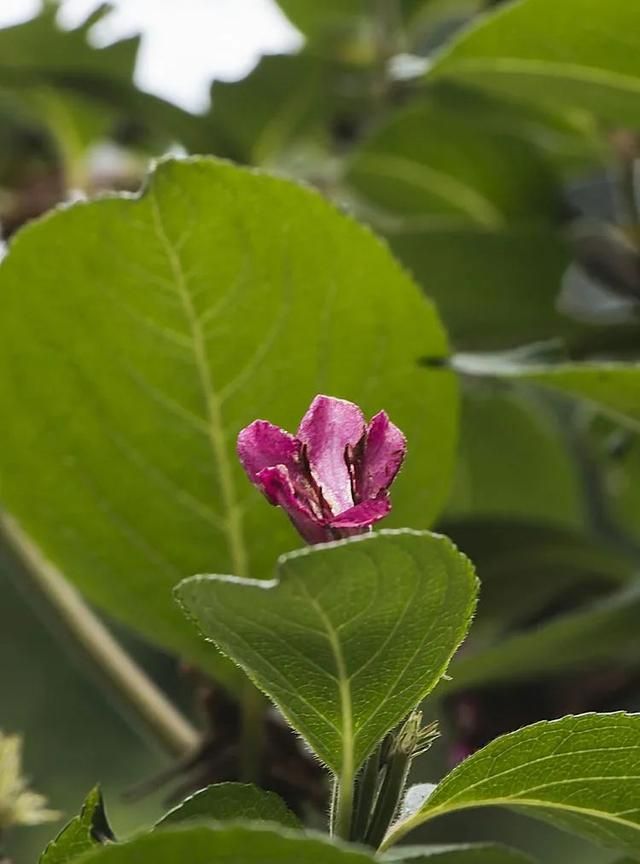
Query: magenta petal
276 484
262 445
363 515
384 453
327 429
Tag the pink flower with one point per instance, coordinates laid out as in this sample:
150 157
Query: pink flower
333 476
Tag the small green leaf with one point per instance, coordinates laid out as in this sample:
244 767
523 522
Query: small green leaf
579 773
614 388
232 801
350 638
84 832
237 844
139 335
483 853
576 53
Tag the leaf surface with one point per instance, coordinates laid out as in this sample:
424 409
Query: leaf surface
580 773
350 637
614 388
84 832
234 844
232 801
578 53
139 335
481 853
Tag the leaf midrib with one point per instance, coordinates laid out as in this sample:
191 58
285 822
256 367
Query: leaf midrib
232 519
344 691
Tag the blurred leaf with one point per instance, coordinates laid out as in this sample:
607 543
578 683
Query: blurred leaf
139 336
579 773
312 639
320 20
494 289
232 801
504 436
237 844
611 387
577 53
477 854
286 99
450 155
601 632
80 90
86 831
551 561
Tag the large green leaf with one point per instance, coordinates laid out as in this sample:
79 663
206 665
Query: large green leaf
84 832
232 801
579 773
606 630
582 53
349 639
138 336
237 844
612 387
468 854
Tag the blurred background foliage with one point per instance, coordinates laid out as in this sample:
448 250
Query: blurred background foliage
514 204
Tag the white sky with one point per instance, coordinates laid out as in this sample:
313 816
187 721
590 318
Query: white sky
185 43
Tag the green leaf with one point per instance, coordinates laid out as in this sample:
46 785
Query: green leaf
582 53
552 561
236 844
484 853
349 639
504 435
319 20
449 156
84 832
579 773
285 98
232 801
515 272
83 91
139 335
611 387
606 630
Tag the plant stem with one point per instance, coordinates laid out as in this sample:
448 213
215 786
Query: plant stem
344 809
253 715
386 17
173 731
366 790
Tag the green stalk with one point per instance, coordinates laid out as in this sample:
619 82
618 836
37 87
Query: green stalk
253 715
389 798
367 784
343 809
174 732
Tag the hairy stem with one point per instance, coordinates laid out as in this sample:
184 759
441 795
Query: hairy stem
172 730
343 809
